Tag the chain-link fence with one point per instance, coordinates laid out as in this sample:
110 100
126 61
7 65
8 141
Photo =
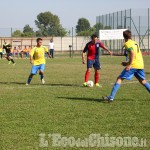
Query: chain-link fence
136 20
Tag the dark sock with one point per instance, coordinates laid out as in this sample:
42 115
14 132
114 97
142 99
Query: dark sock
29 80
12 61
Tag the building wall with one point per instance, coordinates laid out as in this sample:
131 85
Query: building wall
61 43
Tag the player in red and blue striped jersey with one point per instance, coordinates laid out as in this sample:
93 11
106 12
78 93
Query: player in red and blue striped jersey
92 49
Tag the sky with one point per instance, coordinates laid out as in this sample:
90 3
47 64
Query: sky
18 13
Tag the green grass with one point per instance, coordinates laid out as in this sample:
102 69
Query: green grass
63 106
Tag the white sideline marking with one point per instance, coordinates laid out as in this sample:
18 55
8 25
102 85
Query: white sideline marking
130 82
45 86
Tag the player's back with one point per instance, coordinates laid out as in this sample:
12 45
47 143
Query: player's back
138 59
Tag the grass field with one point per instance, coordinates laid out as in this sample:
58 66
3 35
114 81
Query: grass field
63 106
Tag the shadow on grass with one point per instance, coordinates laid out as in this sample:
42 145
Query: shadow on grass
21 83
59 85
64 85
83 99
102 101
147 72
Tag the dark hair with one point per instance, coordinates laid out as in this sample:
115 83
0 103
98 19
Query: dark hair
39 39
127 34
94 36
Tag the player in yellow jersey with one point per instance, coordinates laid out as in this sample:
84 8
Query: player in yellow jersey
133 67
37 58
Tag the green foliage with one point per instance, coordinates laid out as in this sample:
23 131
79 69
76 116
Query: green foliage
86 33
82 25
17 33
49 25
27 32
98 26
27 28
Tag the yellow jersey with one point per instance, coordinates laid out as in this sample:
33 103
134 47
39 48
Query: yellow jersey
38 54
137 59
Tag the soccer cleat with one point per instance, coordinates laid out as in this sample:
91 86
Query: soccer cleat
9 62
27 84
106 99
98 85
85 84
43 81
14 64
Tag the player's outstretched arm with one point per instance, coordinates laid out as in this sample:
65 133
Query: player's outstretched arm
106 48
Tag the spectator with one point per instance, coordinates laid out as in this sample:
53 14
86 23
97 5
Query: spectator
15 52
20 52
51 48
25 51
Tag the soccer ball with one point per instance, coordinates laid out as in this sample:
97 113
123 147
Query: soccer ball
90 84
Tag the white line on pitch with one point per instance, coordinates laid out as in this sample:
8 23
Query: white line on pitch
130 82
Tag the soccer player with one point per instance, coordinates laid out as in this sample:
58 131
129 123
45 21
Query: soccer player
37 58
92 49
7 47
133 67
51 48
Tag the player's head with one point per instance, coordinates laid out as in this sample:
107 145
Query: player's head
127 34
94 38
39 41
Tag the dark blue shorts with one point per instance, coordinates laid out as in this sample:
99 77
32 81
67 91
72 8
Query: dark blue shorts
138 73
9 54
95 63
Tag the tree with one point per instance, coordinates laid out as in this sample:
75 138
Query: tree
28 31
17 33
49 25
82 25
97 27
27 28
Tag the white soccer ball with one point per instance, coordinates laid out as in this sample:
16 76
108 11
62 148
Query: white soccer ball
90 83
